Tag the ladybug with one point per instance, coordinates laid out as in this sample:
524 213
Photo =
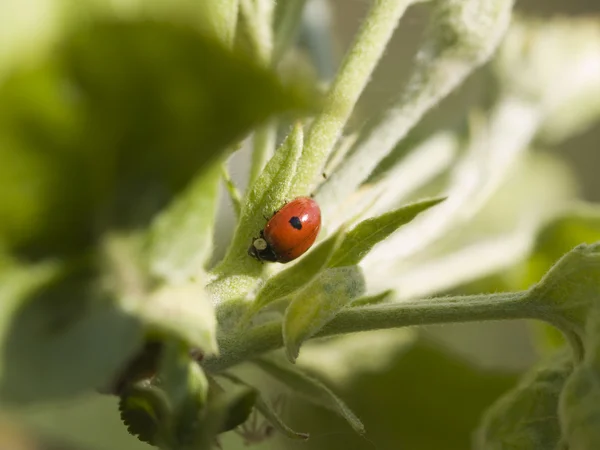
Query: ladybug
289 233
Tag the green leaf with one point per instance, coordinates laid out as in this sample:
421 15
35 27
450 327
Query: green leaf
580 399
180 237
366 234
269 412
239 404
579 413
39 170
267 195
569 291
580 223
116 122
526 418
145 412
316 304
182 379
56 321
182 311
296 276
209 96
308 387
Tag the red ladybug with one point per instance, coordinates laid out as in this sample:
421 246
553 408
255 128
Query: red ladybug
290 233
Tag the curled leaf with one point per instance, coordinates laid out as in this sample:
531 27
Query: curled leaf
309 388
145 412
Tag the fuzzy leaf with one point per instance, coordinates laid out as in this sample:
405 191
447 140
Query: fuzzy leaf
56 322
268 193
308 387
181 378
580 419
181 236
269 412
571 289
526 418
292 278
579 415
360 240
145 412
185 312
316 304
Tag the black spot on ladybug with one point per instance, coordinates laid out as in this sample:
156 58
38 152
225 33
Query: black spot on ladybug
295 222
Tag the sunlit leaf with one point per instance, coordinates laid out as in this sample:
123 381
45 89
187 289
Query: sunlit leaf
291 279
183 311
360 240
317 303
267 195
181 236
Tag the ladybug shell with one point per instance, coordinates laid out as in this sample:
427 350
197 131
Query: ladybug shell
293 229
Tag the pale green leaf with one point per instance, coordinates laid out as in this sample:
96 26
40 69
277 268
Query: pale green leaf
292 278
309 388
267 195
181 378
55 321
526 418
180 238
184 312
316 304
360 240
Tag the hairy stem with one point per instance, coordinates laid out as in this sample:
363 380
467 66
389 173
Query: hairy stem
353 76
502 306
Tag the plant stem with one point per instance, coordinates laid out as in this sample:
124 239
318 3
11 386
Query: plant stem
456 45
268 337
353 76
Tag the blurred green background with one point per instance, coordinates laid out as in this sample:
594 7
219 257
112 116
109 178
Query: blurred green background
421 389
